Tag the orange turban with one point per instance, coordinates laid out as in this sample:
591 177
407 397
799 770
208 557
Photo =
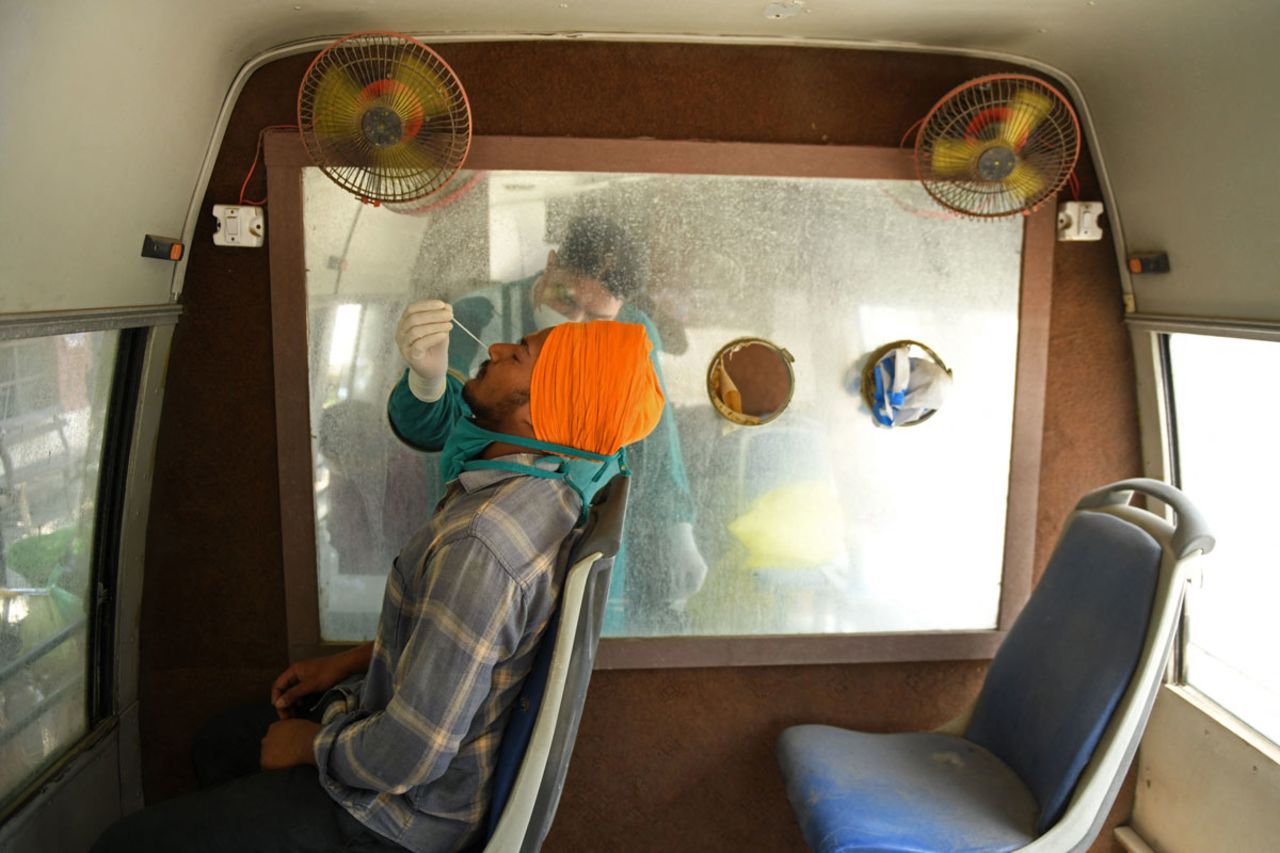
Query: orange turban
594 387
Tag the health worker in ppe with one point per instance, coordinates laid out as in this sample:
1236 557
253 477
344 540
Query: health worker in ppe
597 273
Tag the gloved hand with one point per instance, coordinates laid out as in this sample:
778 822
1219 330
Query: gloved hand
423 338
687 568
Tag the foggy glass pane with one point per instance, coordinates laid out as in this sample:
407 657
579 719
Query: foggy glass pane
53 402
816 522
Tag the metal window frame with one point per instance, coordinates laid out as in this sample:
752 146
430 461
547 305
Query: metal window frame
49 323
1157 410
117 445
1189 729
134 343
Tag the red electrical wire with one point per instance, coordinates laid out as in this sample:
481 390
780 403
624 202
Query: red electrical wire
918 212
1073 181
257 152
915 125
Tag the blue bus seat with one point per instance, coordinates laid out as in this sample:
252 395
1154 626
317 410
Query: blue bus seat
538 739
1036 761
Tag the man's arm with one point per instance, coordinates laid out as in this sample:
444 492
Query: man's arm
288 744
425 426
316 675
426 402
288 741
471 618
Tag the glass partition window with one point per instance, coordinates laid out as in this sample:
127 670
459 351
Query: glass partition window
53 400
817 521
1226 413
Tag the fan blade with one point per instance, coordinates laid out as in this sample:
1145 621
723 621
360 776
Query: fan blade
335 104
955 156
1025 114
425 83
1025 182
410 156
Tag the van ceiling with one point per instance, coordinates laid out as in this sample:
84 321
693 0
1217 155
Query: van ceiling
108 110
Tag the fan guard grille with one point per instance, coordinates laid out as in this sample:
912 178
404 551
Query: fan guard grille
384 116
1004 176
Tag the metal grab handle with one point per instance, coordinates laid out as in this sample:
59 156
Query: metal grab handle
1190 534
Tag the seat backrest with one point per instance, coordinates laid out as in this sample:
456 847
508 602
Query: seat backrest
538 740
1077 673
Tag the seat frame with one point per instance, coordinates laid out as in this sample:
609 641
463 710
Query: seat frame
531 805
1100 781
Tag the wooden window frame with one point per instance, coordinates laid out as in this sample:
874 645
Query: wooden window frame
285 159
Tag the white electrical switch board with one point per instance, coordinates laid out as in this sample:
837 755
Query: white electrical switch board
239 225
1078 220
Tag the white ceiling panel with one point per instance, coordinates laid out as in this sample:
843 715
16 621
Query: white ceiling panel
108 109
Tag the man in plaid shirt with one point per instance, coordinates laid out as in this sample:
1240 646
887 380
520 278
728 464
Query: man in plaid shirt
403 758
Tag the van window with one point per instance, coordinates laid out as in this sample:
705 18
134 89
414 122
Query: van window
54 393
1225 412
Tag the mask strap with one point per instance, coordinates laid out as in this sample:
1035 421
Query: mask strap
535 444
621 458
560 472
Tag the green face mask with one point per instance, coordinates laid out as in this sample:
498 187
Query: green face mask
585 474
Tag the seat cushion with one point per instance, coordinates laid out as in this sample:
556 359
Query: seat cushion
1068 660
917 792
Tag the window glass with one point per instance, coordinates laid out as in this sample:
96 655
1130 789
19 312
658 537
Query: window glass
815 522
53 401
1229 464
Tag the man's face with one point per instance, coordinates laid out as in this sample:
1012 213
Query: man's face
499 393
576 296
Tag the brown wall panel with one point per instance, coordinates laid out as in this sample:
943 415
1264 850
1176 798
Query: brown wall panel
1091 410
684 759
665 759
213 593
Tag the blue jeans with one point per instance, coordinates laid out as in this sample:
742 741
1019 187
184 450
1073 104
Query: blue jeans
241 809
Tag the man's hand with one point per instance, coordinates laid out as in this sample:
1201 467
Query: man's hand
423 338
314 675
288 743
687 567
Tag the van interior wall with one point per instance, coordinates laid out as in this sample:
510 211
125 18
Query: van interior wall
665 759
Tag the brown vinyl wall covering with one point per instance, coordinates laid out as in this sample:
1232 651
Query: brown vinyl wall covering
665 759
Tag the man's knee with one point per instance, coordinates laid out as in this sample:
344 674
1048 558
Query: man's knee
226 747
123 835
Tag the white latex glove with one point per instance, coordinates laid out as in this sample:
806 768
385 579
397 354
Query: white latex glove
423 338
688 569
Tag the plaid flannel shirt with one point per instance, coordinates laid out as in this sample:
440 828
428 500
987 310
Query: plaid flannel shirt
411 751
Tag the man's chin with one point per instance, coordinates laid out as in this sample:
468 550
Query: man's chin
482 414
